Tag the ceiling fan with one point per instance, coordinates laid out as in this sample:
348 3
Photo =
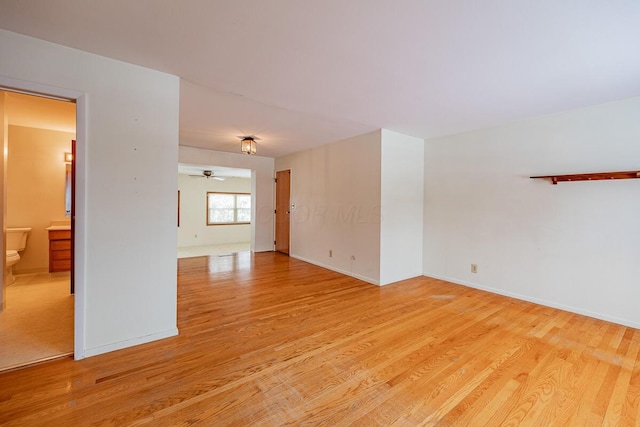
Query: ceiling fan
208 174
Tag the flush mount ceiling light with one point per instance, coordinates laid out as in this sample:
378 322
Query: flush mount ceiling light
248 144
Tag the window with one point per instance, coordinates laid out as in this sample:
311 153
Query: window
228 208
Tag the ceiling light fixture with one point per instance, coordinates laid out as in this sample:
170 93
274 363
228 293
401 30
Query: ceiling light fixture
248 145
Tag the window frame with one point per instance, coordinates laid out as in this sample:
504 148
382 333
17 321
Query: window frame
235 208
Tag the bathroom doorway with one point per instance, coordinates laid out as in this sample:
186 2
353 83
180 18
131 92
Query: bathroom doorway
36 323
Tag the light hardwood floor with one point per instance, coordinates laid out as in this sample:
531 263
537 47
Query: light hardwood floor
207 250
268 340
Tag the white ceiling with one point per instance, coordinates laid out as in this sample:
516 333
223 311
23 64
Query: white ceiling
303 73
219 171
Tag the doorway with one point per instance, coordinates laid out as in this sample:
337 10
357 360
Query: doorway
207 190
283 210
37 321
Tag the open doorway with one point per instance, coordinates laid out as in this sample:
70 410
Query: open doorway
214 210
36 323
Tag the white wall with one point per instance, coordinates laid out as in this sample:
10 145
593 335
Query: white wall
402 188
336 191
193 230
262 187
573 245
126 213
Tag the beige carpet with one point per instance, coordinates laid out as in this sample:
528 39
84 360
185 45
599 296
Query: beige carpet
37 322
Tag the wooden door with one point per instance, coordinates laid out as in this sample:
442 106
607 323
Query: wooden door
283 212
72 285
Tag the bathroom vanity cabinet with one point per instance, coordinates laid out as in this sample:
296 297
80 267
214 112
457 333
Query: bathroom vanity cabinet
59 250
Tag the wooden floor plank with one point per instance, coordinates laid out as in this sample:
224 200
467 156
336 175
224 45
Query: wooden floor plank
269 340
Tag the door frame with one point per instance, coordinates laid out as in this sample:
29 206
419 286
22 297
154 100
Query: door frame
79 246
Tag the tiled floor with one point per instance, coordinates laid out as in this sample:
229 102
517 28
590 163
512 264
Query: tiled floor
37 322
194 251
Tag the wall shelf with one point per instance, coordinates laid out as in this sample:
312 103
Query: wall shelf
598 176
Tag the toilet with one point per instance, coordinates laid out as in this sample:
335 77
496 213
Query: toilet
16 242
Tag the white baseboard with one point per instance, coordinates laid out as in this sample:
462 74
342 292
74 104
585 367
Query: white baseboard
547 303
337 270
129 343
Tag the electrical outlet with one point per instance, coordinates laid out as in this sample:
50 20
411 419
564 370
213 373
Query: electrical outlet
474 268
330 253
